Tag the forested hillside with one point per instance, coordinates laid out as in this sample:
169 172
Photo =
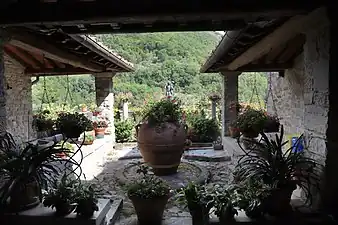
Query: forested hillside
158 57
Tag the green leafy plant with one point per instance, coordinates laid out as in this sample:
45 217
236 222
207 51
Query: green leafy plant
100 124
73 124
164 111
223 202
250 195
278 168
86 198
62 195
148 186
124 130
251 121
196 198
43 121
22 167
203 129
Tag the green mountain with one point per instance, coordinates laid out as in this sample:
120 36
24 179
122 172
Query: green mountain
157 57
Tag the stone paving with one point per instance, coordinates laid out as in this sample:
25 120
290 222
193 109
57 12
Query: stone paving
102 167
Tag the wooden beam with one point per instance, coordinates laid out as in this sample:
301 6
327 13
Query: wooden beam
24 57
12 55
34 43
124 11
275 67
281 35
56 71
30 56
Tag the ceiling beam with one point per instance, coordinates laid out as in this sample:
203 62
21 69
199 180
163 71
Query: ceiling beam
56 71
131 11
262 67
12 55
35 43
281 35
24 57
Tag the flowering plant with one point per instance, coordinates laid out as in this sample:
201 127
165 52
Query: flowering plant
100 124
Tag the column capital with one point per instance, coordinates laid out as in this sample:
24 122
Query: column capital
230 73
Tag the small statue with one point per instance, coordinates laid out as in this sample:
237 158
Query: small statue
169 89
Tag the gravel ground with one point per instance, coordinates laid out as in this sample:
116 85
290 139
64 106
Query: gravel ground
106 172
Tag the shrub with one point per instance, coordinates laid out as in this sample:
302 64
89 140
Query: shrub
251 120
124 130
203 129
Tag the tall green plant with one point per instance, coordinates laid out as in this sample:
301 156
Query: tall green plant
278 168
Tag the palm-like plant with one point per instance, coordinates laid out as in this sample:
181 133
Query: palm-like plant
29 167
281 170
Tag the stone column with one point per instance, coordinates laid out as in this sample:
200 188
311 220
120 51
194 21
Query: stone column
229 96
3 117
105 98
125 110
213 109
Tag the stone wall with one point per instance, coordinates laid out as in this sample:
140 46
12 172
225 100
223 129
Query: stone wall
286 97
301 96
18 101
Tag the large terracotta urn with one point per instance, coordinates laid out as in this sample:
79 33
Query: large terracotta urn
162 146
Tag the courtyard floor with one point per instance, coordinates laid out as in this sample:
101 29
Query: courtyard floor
101 165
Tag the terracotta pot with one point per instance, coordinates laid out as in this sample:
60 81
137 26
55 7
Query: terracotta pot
162 146
250 133
25 196
149 211
64 209
234 132
278 204
99 132
271 126
199 218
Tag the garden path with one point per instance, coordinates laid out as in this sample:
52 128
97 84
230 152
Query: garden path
101 166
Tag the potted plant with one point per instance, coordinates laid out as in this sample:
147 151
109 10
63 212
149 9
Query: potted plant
62 196
42 122
100 127
161 136
272 124
234 131
149 196
250 196
88 139
24 172
223 205
86 200
251 122
73 124
198 200
281 170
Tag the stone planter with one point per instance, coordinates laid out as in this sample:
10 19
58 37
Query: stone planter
162 147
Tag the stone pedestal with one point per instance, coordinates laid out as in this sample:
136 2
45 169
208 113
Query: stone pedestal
229 97
213 109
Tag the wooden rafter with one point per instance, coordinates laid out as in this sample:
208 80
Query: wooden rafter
24 57
56 71
281 35
14 56
33 43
